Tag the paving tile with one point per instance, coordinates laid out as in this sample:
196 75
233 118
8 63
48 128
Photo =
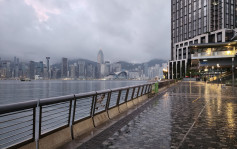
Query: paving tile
189 115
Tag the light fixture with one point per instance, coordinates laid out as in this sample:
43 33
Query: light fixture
208 51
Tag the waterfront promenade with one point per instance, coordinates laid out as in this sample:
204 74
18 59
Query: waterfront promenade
186 115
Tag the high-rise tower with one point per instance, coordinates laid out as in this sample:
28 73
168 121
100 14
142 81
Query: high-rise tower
47 58
196 22
100 57
64 70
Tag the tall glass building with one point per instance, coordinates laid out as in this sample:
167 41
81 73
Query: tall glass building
100 57
197 26
64 70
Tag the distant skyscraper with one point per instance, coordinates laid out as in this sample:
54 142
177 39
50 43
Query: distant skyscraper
64 70
48 66
16 67
32 70
81 69
100 57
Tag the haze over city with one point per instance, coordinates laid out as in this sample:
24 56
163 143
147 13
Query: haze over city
135 31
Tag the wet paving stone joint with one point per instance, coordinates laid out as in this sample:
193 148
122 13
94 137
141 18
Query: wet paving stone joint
188 115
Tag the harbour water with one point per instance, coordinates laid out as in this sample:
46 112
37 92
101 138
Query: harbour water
13 91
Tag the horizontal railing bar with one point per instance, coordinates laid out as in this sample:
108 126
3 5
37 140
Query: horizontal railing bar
55 104
50 117
84 102
51 122
83 111
18 139
24 131
42 130
119 89
15 119
16 124
45 114
53 100
45 110
103 91
84 95
18 110
16 129
79 118
84 105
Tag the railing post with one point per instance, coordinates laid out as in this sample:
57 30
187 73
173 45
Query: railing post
71 115
126 97
93 105
34 122
133 90
40 120
38 123
138 91
74 109
108 102
118 99
142 90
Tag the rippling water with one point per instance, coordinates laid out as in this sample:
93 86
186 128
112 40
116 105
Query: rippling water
12 91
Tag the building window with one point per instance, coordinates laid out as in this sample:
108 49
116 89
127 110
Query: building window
190 43
203 39
219 37
196 41
184 53
211 38
229 34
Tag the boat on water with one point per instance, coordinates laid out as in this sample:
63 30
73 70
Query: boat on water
25 79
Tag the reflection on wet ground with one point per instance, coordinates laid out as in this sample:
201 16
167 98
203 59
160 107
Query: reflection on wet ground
189 115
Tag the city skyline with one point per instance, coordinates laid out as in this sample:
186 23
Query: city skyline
56 60
35 29
80 69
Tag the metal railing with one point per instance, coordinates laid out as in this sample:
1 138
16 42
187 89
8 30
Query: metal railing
25 122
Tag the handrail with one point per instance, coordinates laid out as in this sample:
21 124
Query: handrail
53 100
17 106
71 107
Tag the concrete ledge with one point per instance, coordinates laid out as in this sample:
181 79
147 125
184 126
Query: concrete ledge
113 112
123 107
140 99
101 118
144 97
83 127
31 145
56 139
130 104
135 101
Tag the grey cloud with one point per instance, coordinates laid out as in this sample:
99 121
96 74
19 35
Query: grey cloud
135 30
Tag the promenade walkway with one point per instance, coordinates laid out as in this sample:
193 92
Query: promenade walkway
187 115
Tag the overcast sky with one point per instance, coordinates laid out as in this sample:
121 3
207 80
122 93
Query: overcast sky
131 30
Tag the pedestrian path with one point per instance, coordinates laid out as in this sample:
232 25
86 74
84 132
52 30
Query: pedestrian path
189 115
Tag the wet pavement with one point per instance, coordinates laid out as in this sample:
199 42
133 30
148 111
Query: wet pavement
188 115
